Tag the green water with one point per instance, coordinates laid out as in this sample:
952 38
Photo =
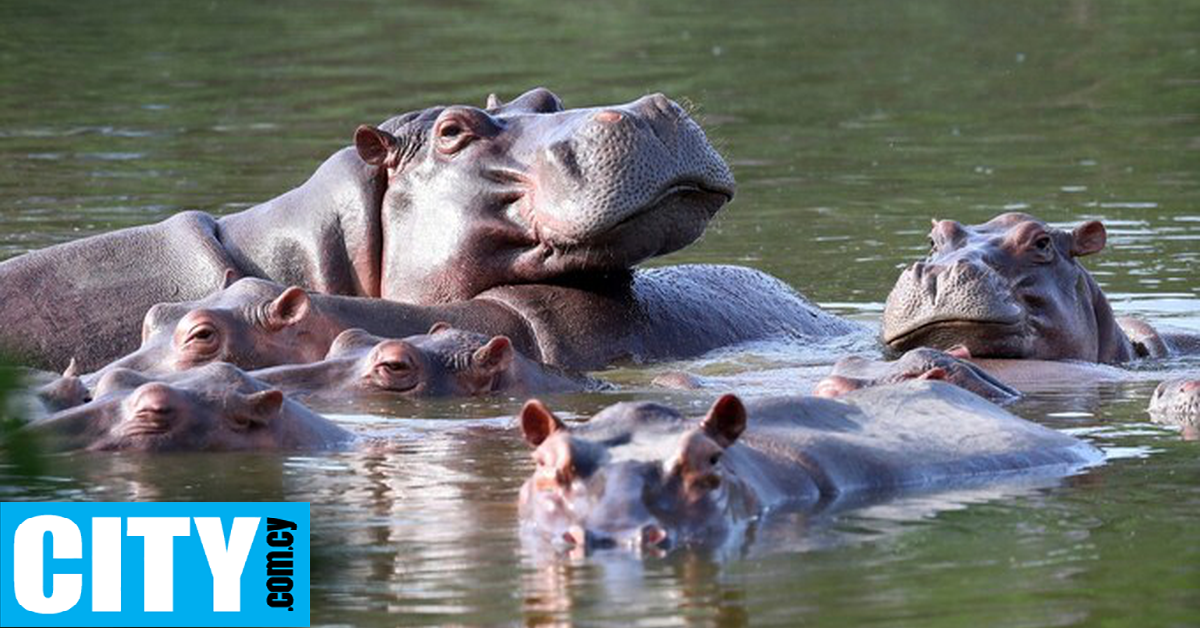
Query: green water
849 125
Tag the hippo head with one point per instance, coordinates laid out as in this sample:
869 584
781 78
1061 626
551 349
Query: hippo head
637 476
252 323
922 363
528 191
1009 288
213 408
442 363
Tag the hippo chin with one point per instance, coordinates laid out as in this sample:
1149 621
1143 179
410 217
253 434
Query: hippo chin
432 206
216 407
640 475
445 362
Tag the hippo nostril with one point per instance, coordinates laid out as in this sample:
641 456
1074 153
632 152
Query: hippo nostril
608 116
153 399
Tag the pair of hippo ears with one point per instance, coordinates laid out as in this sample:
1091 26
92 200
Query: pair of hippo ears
724 423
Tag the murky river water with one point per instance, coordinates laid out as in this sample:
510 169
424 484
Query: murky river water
849 126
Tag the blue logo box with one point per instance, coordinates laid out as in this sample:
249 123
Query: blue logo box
154 564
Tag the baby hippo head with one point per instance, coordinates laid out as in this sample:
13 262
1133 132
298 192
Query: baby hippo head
212 408
444 362
251 324
638 475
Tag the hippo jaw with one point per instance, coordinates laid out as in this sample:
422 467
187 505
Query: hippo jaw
1010 288
528 192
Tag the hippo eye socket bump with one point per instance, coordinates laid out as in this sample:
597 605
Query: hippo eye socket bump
452 134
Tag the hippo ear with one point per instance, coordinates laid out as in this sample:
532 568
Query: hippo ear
1088 238
493 102
231 276
288 308
538 422
439 327
495 356
72 369
262 407
726 420
375 146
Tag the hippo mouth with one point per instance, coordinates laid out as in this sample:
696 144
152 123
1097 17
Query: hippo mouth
671 220
984 338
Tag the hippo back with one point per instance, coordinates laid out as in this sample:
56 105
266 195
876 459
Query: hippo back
909 435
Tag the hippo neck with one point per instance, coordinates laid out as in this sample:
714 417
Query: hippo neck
1112 345
325 235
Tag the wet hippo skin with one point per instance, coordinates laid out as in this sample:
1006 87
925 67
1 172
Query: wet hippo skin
640 474
442 363
518 206
216 407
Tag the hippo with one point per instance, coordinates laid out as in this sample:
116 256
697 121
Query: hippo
1013 288
854 373
1177 402
641 475
441 205
216 407
443 362
255 323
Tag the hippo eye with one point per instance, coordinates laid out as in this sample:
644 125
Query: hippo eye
1042 244
714 459
203 334
396 367
452 134
932 245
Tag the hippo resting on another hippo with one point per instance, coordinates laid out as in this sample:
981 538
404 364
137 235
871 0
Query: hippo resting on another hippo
1012 290
640 474
216 407
483 207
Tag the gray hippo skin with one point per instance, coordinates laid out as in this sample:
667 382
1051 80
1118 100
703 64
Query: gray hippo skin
432 206
639 474
216 407
445 362
659 314
1013 288
855 373
1177 402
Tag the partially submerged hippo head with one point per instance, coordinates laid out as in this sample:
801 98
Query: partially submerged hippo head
252 323
854 373
213 408
442 363
529 191
1009 288
636 475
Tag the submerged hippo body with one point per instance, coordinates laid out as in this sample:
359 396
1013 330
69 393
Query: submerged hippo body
216 407
1013 288
433 206
641 474
444 362
855 373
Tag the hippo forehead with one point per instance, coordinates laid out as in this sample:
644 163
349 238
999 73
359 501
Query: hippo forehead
634 431
219 377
